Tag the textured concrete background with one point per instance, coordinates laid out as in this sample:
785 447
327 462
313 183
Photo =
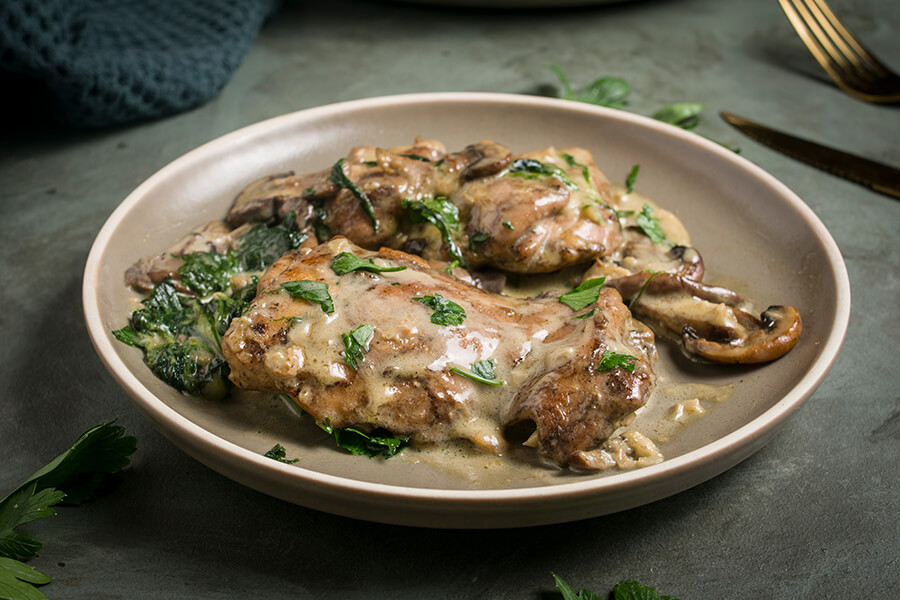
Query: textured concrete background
812 515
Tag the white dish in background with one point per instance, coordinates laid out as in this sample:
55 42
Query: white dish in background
754 234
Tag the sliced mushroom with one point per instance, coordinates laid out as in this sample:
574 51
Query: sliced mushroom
278 195
480 160
215 236
712 322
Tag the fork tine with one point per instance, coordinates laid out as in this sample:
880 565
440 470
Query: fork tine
845 60
801 20
849 42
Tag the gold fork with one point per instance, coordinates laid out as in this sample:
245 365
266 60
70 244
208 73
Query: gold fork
844 58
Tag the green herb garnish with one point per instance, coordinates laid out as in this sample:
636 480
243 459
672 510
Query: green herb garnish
357 442
449 268
357 344
611 92
80 474
346 262
570 160
340 179
446 312
650 225
586 315
482 372
610 360
527 168
640 293
417 157
441 213
205 273
312 291
681 114
280 454
323 233
584 294
509 225
624 590
477 238
631 179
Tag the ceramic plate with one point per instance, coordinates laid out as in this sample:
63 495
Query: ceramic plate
755 235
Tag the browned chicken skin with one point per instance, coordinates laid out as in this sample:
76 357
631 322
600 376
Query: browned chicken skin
547 360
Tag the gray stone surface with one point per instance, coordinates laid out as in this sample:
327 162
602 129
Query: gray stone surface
814 514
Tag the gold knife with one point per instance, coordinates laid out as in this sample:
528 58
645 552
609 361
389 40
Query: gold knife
869 173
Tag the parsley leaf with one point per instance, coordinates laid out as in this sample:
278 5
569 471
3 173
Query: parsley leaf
340 179
279 453
586 315
346 262
569 594
681 114
570 160
477 238
610 360
584 294
527 168
624 590
632 177
17 580
441 213
509 225
357 343
313 291
75 476
650 225
482 372
357 442
609 91
446 312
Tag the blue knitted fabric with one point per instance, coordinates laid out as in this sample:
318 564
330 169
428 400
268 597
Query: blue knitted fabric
108 62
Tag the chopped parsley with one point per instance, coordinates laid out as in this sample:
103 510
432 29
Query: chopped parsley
279 453
685 115
584 294
340 179
643 288
482 371
610 360
650 225
346 262
631 179
570 160
357 442
509 225
449 268
417 157
527 168
613 92
608 91
477 238
441 213
357 344
312 291
446 312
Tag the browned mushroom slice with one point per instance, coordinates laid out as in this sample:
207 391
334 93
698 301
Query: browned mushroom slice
712 322
215 237
479 160
278 195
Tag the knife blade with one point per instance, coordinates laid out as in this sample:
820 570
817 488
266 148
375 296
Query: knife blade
874 175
